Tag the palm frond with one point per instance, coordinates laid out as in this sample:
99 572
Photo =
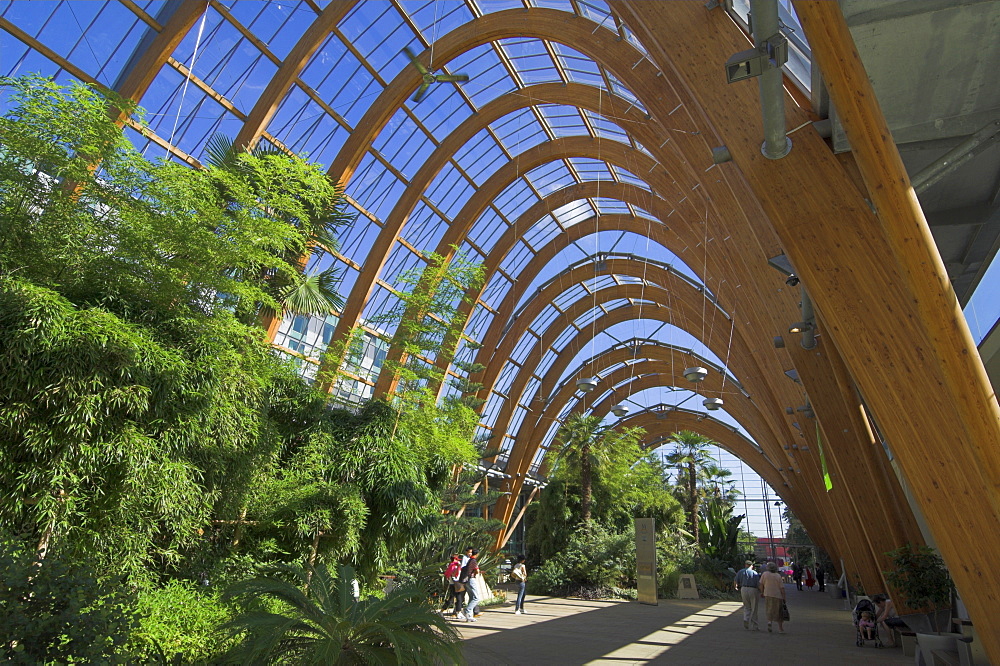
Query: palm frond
220 152
314 294
329 627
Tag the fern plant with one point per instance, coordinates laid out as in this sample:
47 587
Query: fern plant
327 626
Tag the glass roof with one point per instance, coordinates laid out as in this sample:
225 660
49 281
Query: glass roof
218 76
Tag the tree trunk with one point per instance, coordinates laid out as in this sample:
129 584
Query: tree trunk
313 552
240 523
693 489
585 481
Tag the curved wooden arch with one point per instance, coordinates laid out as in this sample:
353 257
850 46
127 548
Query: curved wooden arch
296 60
793 497
624 61
628 193
846 258
557 149
776 436
544 24
614 109
656 371
809 507
668 366
670 290
600 44
665 288
717 431
532 433
144 69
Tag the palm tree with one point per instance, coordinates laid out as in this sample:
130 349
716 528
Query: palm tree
328 626
583 444
691 457
304 294
579 445
721 487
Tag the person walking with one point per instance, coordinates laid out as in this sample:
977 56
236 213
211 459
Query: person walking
462 586
748 583
797 575
773 590
810 581
450 578
519 574
470 576
821 577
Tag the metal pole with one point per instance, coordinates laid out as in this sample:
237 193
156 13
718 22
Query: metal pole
808 316
764 19
767 521
957 156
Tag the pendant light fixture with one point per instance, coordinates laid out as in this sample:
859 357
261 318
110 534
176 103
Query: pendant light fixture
620 410
695 374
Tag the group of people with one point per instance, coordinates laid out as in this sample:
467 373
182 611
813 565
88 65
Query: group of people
802 575
886 618
769 586
463 579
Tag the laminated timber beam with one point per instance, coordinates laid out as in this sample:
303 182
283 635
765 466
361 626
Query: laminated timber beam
671 290
599 43
722 434
144 68
629 65
875 279
852 489
848 441
575 146
836 527
524 447
281 82
734 443
627 193
277 88
827 525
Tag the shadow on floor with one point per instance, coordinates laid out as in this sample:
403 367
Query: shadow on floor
565 631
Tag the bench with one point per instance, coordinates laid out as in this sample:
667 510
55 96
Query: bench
945 658
907 639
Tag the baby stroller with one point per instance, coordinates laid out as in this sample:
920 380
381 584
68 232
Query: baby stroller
865 605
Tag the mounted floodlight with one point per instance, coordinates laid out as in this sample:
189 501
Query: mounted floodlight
712 404
695 374
620 410
800 327
771 54
721 155
587 385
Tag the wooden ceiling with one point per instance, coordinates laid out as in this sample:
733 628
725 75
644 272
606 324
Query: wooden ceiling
892 342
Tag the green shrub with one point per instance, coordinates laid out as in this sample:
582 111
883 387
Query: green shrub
57 611
595 561
667 580
181 619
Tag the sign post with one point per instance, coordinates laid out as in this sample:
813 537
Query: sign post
645 560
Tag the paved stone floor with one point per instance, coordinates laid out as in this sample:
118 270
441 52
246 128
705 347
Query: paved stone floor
567 631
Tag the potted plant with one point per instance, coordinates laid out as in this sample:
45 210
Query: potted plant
919 574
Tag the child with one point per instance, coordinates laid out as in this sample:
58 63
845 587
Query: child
866 625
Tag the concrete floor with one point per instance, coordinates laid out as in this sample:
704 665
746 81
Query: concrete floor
568 631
